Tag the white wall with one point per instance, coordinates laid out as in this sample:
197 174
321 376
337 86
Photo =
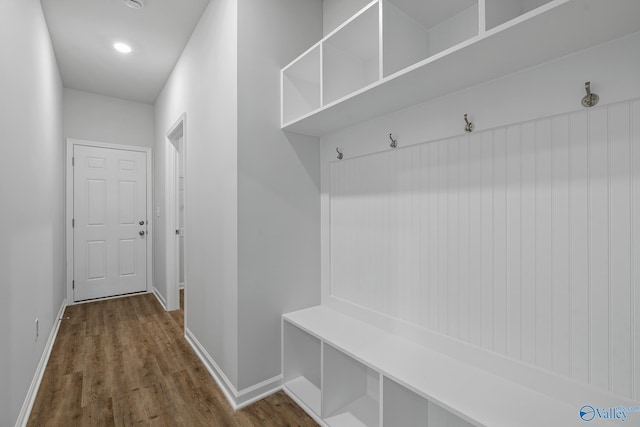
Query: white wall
519 238
252 192
203 85
101 118
31 168
278 185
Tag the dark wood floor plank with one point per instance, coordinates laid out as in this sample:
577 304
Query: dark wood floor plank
125 362
98 413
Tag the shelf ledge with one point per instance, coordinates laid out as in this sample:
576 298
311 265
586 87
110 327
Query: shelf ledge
471 393
554 30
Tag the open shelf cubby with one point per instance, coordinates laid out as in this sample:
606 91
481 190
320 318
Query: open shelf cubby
393 54
498 12
415 30
351 391
403 407
302 366
351 55
301 85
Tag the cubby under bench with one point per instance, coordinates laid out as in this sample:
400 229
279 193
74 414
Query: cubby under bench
345 372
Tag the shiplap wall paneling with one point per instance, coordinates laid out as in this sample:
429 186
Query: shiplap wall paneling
560 255
620 315
635 246
523 240
599 247
579 247
513 241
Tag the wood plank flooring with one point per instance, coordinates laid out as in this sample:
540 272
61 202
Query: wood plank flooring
125 362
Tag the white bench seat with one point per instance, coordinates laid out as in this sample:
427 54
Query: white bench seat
479 397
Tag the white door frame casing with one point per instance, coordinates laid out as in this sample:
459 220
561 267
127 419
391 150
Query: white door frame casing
69 207
177 131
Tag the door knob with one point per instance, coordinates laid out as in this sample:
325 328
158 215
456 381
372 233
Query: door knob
141 223
141 233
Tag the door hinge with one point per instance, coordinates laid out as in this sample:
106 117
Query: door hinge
73 222
73 284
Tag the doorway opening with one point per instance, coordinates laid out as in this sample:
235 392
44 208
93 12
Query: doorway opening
175 208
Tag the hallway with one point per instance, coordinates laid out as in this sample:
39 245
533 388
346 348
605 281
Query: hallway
125 361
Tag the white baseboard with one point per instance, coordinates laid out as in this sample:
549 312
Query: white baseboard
27 406
160 298
237 399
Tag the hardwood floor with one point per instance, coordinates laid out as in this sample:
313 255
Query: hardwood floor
125 362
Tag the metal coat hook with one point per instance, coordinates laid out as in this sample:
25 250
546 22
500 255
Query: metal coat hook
394 143
590 99
340 155
468 127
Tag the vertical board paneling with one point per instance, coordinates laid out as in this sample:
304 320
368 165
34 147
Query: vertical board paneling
464 221
499 242
528 233
443 240
524 240
620 241
544 302
635 246
423 257
415 255
486 233
453 231
475 238
514 238
580 358
404 214
433 236
599 246
560 227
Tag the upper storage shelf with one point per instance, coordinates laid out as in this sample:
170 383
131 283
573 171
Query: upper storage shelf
396 53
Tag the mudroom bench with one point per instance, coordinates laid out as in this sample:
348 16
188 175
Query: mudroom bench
345 372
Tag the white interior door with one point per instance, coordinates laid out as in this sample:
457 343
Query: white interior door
110 222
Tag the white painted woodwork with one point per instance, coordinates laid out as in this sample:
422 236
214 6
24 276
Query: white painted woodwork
403 407
350 55
301 366
413 31
521 239
519 34
109 201
501 11
349 390
420 385
301 90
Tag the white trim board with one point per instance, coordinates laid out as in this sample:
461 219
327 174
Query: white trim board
237 399
176 132
160 298
71 142
29 400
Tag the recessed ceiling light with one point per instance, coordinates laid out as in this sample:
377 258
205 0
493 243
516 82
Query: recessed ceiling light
122 47
134 4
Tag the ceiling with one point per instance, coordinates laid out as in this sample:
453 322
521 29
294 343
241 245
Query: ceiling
83 33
